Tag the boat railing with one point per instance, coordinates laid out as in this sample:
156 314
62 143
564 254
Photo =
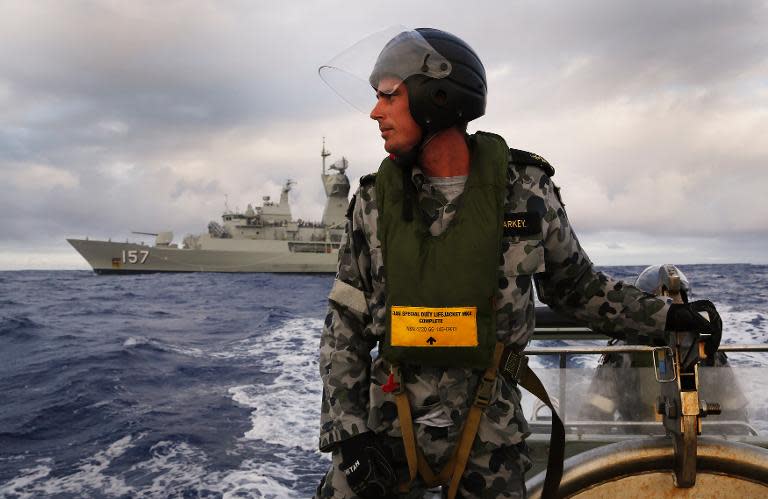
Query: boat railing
616 398
564 352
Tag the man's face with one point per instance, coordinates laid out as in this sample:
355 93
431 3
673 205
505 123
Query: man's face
398 128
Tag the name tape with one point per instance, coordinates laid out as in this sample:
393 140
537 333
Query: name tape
433 327
521 224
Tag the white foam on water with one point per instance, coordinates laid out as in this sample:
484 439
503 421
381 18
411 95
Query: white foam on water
26 478
137 341
255 479
85 481
287 410
173 469
745 326
173 466
176 467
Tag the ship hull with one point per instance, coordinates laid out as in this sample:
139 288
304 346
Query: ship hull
108 257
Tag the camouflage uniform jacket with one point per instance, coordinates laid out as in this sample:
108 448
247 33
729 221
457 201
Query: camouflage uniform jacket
353 401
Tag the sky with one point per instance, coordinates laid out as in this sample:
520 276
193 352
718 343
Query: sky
146 116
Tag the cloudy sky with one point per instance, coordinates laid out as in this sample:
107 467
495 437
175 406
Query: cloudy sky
118 116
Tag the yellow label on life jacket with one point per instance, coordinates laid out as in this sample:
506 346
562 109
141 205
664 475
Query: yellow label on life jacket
433 327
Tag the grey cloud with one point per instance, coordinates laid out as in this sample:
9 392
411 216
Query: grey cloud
174 92
197 187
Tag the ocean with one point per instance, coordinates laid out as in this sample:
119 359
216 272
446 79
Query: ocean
197 385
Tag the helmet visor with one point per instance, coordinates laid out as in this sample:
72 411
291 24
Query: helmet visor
379 63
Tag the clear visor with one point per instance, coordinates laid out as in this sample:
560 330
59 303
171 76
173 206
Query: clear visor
379 63
652 279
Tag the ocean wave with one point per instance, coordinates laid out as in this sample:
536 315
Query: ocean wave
88 479
747 326
143 342
18 327
287 409
167 469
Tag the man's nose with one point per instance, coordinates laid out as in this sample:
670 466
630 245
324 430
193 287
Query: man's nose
376 111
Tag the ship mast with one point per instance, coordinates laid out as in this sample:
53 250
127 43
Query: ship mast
324 154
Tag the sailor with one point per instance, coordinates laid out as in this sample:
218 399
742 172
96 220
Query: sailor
454 228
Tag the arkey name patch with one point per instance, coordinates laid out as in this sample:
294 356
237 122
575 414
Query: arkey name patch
433 326
521 224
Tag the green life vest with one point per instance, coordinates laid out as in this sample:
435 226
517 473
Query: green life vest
437 284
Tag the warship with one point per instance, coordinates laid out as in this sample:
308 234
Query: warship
261 239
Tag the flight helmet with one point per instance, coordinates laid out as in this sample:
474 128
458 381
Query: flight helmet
656 280
445 78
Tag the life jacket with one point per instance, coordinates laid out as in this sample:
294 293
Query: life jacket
449 281
441 289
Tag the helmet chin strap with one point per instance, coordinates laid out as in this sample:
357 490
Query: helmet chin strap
409 158
406 161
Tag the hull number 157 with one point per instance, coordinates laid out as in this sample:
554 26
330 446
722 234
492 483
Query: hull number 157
135 256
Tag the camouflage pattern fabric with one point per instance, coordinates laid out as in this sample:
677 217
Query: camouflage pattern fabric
353 401
492 471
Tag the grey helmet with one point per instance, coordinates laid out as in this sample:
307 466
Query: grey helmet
657 279
446 80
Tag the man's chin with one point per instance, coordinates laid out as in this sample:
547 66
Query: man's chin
395 149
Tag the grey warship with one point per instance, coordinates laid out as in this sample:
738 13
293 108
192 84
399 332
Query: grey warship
261 239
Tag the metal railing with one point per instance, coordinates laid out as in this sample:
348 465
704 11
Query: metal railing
562 352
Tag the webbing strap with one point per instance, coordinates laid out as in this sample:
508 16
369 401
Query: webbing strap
430 479
454 469
468 433
532 383
406 428
414 456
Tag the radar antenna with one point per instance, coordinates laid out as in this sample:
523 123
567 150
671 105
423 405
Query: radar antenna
340 166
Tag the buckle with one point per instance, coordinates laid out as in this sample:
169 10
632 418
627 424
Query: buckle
484 392
514 365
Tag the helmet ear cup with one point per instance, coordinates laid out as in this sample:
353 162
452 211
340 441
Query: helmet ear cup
431 103
439 97
439 104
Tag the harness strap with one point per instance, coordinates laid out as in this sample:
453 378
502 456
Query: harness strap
406 427
429 477
515 365
512 364
454 468
468 433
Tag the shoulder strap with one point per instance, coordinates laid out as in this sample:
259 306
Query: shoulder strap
367 180
525 158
